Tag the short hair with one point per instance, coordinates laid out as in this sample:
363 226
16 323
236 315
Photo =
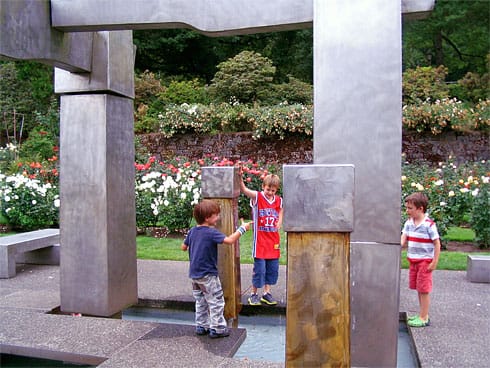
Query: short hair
204 209
418 199
272 180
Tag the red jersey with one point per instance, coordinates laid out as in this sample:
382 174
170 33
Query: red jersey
266 244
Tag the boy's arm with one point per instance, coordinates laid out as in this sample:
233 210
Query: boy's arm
248 192
437 251
231 239
403 240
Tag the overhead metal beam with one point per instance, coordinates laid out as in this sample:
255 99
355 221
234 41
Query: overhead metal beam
26 34
210 17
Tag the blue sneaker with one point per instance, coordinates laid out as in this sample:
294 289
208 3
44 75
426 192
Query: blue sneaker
254 300
214 334
201 330
268 299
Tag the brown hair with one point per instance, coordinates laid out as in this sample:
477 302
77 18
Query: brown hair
418 199
204 209
272 180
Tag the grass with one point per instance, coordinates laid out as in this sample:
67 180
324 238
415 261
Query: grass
461 234
169 249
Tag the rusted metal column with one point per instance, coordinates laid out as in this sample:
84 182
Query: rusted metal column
318 219
222 184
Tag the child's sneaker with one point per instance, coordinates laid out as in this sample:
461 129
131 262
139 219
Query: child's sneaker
254 300
201 330
418 322
268 299
214 334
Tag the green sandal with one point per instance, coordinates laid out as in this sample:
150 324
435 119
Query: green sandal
411 318
418 322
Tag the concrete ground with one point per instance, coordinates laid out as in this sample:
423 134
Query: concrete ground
457 337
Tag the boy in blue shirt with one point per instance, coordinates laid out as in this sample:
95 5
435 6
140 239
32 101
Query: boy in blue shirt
202 243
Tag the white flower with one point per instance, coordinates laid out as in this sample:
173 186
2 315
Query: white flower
442 204
7 199
166 202
34 201
404 178
464 190
451 193
56 203
485 179
420 187
474 193
439 182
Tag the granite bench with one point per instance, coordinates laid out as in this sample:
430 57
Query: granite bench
478 268
40 246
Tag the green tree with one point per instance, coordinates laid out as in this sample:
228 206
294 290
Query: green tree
26 88
454 35
247 77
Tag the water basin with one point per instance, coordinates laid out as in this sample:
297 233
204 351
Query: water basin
266 334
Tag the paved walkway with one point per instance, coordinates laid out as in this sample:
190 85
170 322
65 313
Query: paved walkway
458 336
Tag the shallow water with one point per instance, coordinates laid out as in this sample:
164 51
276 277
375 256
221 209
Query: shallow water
266 334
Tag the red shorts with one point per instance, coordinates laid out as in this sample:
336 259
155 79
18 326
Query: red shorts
419 277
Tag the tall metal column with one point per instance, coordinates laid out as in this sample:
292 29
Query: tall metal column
97 215
357 78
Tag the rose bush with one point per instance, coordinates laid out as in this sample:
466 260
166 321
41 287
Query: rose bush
167 191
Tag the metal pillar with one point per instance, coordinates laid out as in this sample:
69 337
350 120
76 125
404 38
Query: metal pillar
357 49
97 215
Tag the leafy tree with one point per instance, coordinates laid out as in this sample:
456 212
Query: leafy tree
247 77
454 35
26 88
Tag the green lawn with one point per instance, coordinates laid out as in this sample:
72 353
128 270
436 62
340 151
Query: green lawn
169 249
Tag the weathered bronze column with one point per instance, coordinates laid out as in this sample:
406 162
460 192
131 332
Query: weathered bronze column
318 219
222 185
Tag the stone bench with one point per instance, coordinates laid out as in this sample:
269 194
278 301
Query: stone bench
478 268
40 247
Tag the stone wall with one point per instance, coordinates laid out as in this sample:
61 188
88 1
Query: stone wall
295 150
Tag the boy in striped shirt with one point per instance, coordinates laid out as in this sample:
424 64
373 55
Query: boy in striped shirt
424 246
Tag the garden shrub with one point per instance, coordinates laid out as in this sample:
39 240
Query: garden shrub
480 214
247 77
425 83
448 114
186 91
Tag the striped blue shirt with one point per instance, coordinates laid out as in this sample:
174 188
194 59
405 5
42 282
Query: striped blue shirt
420 238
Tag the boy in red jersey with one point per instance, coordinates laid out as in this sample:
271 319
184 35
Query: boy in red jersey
424 246
267 214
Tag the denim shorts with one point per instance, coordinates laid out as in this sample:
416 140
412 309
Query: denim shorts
266 272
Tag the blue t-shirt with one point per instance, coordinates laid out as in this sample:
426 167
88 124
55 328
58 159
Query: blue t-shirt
203 251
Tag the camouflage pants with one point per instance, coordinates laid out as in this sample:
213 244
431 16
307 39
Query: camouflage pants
210 303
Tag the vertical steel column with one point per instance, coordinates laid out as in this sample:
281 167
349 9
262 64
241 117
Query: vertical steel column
222 184
318 217
357 78
98 274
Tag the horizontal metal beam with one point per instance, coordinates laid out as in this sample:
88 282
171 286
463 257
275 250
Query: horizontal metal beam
26 34
210 17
